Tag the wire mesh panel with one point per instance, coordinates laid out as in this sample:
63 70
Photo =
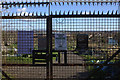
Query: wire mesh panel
90 40
69 39
19 39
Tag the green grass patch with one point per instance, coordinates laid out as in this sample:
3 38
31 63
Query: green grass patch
21 60
91 59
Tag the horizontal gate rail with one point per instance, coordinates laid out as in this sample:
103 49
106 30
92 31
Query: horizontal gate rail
84 0
23 3
23 17
115 64
60 1
56 16
71 16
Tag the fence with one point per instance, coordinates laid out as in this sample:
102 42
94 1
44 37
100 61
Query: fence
69 45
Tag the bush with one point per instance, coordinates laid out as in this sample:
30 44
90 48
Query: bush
11 52
27 55
3 53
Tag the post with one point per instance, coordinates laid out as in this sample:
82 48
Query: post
65 57
119 27
47 52
33 57
58 57
1 42
50 47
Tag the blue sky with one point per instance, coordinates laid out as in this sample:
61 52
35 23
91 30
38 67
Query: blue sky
65 8
97 24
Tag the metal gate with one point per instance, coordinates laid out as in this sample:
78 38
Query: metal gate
72 45
17 53
87 47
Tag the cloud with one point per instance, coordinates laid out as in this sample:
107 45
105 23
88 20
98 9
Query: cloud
0 6
21 10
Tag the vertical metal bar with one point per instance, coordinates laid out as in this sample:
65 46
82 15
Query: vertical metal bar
50 49
47 60
59 57
119 27
50 43
65 57
1 42
119 24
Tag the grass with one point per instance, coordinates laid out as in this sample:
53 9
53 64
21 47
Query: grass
90 59
20 60
17 60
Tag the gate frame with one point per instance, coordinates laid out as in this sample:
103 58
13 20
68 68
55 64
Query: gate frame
49 65
49 18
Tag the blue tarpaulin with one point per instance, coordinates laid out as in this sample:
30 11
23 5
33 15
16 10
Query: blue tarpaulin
25 42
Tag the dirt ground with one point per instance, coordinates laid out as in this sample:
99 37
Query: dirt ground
58 71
